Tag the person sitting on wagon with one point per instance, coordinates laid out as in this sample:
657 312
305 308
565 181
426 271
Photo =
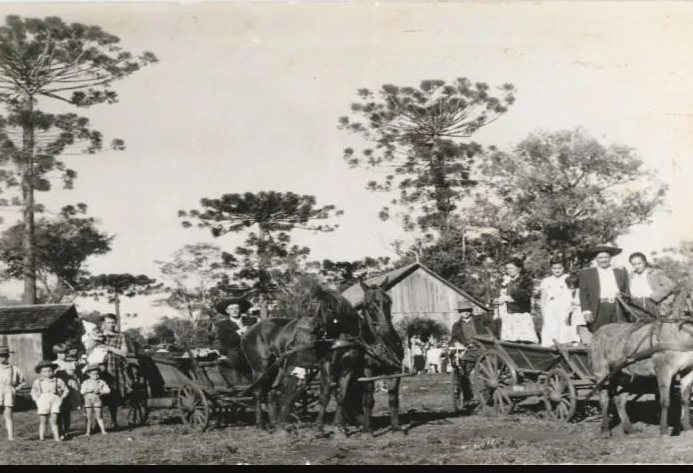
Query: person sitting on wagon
462 337
230 327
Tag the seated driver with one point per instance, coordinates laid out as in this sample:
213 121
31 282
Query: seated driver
230 327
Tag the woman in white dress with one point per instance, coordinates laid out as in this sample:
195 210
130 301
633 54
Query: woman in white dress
556 299
515 304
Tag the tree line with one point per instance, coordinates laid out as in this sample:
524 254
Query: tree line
463 207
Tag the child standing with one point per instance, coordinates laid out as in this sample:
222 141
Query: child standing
48 392
11 379
67 371
92 389
575 319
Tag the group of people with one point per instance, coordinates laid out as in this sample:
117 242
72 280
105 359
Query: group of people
68 383
573 306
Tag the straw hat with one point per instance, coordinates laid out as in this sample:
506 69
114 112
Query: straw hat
45 364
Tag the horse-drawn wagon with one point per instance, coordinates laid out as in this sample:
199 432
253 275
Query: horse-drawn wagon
506 373
199 390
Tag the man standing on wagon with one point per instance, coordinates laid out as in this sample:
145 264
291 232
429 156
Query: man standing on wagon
599 287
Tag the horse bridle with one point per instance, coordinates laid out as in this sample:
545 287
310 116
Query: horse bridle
389 358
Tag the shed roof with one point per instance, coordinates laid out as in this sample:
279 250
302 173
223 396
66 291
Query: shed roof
32 318
354 293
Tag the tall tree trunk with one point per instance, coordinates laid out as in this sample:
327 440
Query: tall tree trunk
116 303
28 144
262 257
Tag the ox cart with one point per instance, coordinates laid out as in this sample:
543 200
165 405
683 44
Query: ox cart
199 391
507 373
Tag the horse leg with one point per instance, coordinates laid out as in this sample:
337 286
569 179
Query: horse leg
368 401
621 401
604 398
325 393
393 401
686 385
340 394
664 377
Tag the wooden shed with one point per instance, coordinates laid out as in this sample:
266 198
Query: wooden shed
30 331
417 291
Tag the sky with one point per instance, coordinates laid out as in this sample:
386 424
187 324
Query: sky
247 95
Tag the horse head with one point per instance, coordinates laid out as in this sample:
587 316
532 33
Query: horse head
377 314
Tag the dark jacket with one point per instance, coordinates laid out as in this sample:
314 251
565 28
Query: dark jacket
520 289
463 332
589 288
227 335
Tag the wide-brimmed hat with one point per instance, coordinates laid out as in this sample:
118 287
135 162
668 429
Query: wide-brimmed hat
611 249
243 305
91 367
463 305
44 364
4 350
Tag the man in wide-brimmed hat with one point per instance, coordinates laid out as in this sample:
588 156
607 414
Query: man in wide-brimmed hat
599 287
11 379
461 339
230 327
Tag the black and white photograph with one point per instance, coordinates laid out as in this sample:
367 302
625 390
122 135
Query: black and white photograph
346 232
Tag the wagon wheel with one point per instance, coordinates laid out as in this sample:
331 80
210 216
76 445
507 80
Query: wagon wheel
560 398
494 379
194 407
457 398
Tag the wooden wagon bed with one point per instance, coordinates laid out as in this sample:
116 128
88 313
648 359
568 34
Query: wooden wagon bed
508 372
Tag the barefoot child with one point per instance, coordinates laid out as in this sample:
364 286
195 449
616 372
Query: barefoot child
11 379
48 393
92 389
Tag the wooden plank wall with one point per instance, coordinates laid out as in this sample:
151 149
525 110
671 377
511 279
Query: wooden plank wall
422 295
28 351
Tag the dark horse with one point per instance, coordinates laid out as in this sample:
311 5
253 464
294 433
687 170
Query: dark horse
274 346
383 352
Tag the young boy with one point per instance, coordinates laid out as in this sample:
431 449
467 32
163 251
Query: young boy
67 371
92 390
11 379
48 392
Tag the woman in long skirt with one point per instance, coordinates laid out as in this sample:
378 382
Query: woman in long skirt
515 305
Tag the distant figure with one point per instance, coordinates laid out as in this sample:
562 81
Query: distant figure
417 350
11 379
433 359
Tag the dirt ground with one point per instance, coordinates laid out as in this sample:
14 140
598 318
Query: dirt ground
434 435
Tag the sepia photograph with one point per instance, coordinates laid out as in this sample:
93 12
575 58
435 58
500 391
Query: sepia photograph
346 232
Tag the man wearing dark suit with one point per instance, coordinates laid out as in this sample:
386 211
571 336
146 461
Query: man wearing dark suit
599 287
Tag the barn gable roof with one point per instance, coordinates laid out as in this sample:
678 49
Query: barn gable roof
354 293
32 318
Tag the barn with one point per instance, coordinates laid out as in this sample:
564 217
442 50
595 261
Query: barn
417 291
30 331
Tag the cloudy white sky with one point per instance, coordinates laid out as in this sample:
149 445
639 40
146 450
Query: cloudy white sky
247 96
